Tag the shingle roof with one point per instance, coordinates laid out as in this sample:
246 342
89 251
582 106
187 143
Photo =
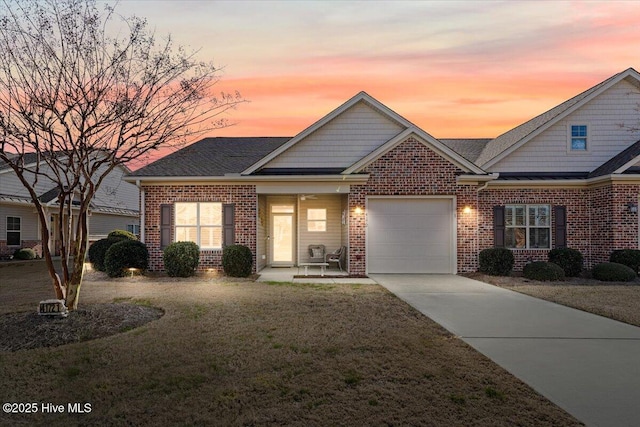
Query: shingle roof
469 148
28 159
517 134
617 161
213 157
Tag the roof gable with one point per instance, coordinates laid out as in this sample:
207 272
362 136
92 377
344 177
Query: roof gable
426 139
505 144
360 100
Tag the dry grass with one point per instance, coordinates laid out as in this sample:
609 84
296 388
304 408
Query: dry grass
616 300
246 353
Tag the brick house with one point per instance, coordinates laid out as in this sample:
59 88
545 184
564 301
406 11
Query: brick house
400 200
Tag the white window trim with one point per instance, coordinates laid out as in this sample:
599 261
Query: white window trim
527 227
569 137
198 226
7 231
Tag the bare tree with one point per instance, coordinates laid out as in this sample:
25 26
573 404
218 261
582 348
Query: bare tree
83 90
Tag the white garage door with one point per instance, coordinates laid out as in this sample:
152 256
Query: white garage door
406 235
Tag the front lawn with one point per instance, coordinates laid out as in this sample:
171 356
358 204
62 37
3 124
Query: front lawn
247 353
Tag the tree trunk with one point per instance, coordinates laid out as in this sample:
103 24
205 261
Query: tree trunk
81 243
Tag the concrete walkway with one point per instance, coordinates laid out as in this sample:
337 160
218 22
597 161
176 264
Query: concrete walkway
287 274
586 364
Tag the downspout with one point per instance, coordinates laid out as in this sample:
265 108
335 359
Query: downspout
478 190
141 207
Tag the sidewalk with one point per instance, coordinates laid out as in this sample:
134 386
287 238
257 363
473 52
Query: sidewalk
586 364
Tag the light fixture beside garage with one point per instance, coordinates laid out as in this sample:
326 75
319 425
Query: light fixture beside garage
358 210
466 209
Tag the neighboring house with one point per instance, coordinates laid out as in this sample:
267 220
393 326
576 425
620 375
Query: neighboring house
403 201
115 206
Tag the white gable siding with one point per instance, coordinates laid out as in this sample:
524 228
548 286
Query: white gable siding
116 193
341 142
548 151
10 185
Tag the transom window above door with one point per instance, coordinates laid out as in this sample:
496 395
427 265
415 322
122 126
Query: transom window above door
281 208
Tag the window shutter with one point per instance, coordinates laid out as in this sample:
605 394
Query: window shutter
560 212
228 225
498 226
166 223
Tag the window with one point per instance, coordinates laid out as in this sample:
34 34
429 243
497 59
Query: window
200 223
579 138
134 228
316 219
13 231
527 226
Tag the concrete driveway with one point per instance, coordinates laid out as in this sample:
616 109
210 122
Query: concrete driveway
586 364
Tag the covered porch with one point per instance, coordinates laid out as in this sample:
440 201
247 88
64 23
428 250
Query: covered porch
289 224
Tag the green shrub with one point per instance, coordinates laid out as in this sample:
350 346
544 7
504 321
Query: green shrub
124 255
181 259
613 272
543 270
496 261
237 261
24 254
98 250
570 260
121 235
628 257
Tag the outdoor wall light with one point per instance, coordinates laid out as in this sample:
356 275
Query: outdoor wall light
633 207
358 210
466 210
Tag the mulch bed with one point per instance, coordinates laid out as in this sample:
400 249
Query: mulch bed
29 330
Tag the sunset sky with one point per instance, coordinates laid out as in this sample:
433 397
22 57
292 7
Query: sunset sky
456 69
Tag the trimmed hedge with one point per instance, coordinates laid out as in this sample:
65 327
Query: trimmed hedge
121 235
543 270
126 254
570 260
496 261
237 260
98 250
24 254
181 259
613 272
628 257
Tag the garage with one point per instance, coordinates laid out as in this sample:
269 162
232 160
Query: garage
410 235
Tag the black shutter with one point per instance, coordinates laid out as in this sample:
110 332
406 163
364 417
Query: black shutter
560 213
228 225
498 226
166 223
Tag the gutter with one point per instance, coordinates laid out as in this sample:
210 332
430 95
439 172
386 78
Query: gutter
246 179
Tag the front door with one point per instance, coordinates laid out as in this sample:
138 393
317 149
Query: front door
282 234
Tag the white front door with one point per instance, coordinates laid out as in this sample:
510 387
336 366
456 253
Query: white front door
282 234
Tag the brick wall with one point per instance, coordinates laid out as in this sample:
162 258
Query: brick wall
598 219
412 169
576 202
243 196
